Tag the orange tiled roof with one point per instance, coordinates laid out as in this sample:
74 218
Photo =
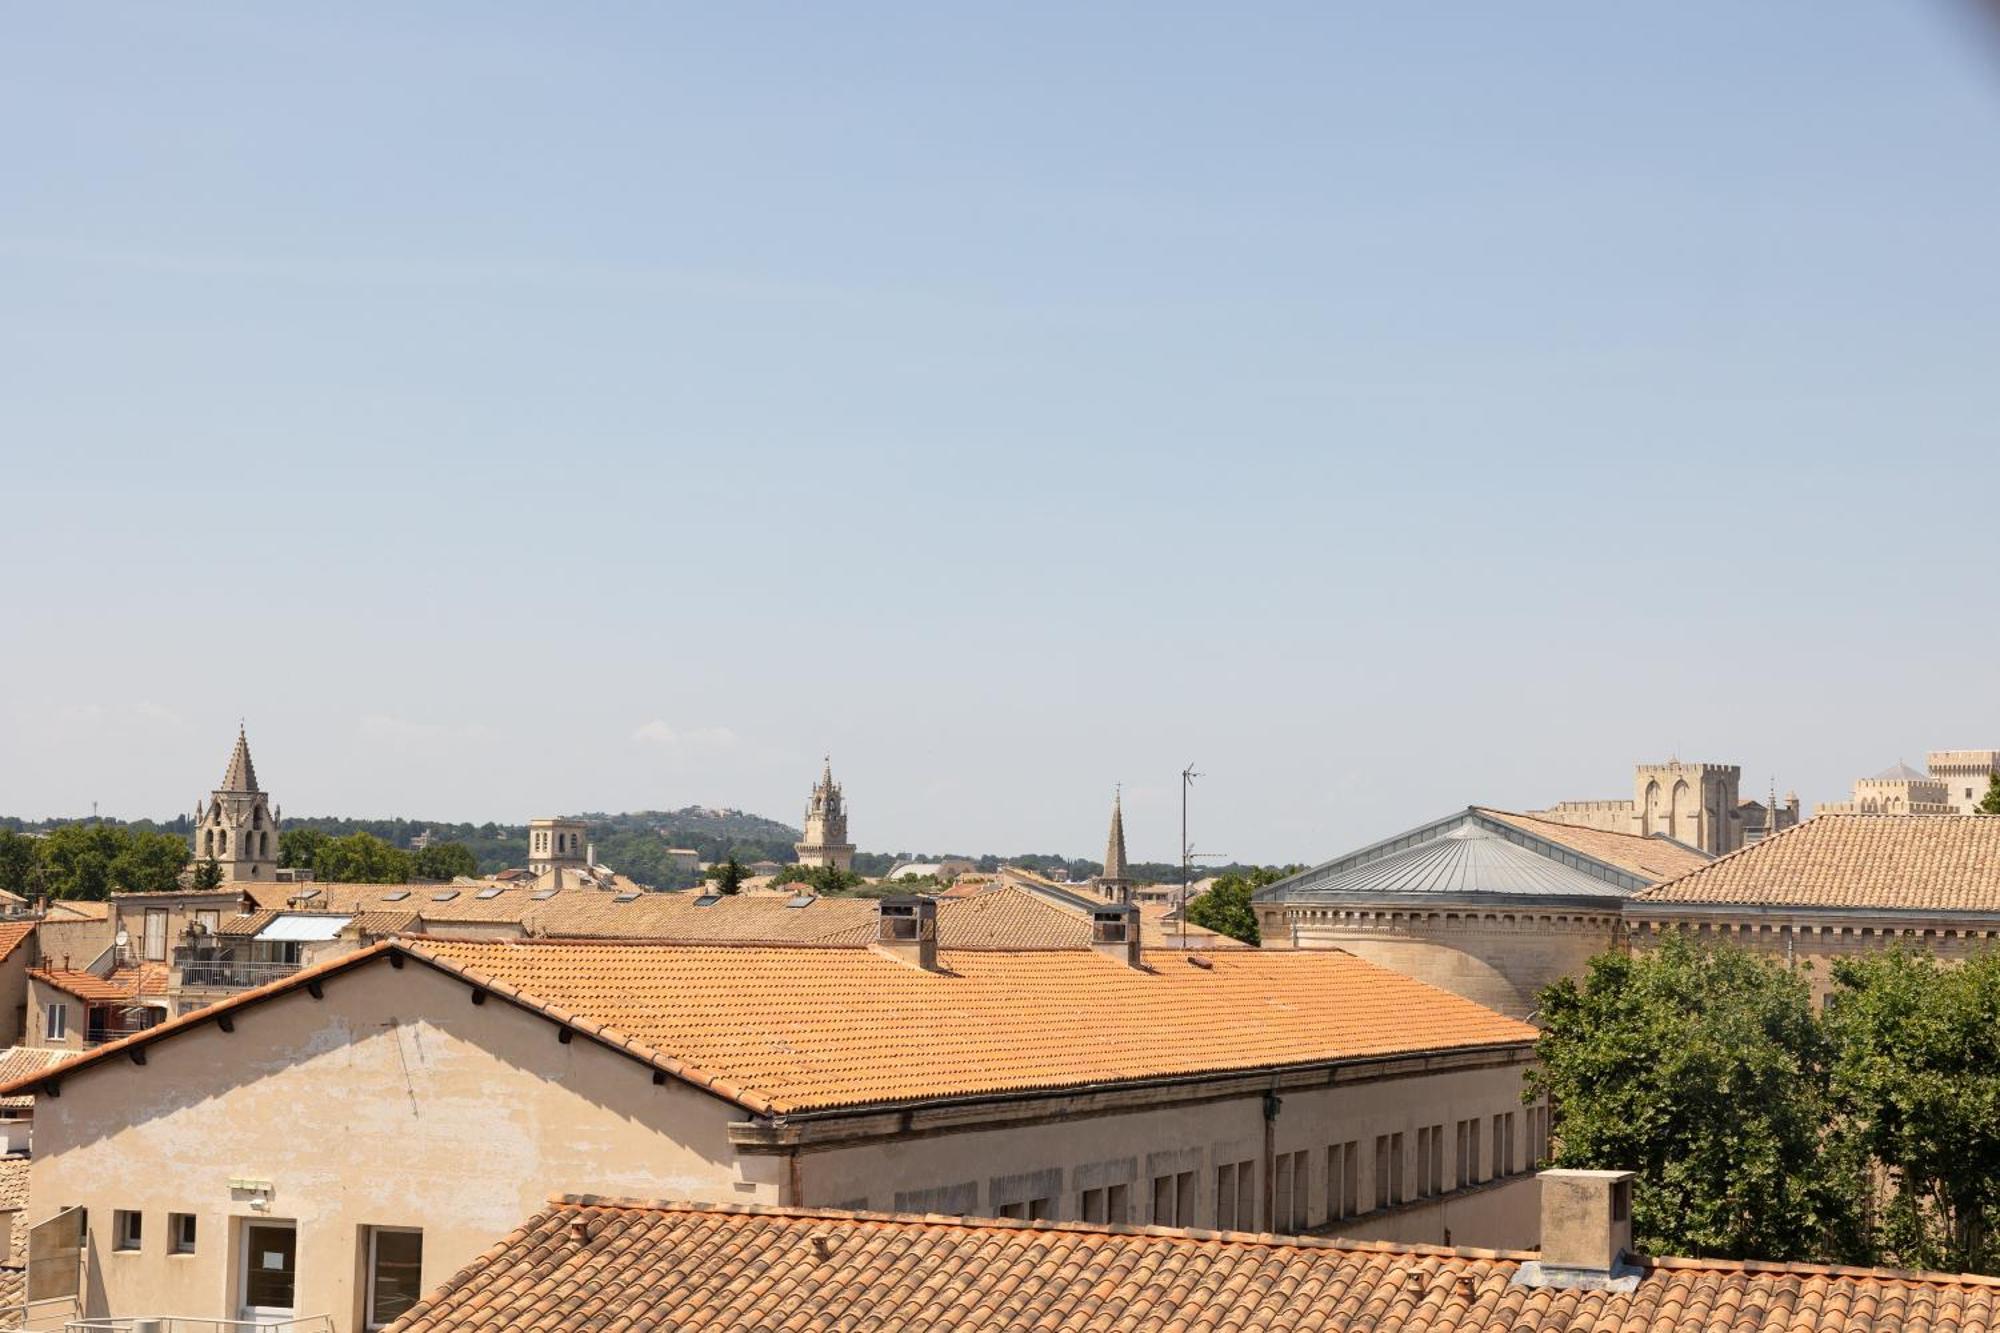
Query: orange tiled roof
12 933
80 909
20 1061
83 985
787 1029
1926 863
1652 858
737 1267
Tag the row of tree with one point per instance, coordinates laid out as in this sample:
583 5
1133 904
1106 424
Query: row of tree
90 861
363 858
1865 1132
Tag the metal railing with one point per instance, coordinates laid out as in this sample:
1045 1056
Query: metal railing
174 1323
229 973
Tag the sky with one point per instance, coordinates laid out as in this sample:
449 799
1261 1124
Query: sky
516 409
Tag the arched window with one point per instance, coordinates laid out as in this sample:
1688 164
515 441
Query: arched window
208 842
222 843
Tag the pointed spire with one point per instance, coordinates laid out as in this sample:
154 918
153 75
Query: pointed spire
242 774
1114 846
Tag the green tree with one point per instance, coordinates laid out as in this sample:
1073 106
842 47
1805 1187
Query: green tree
1226 905
826 881
76 860
148 862
298 848
361 858
1989 804
20 860
445 860
1918 1075
1703 1070
207 875
728 875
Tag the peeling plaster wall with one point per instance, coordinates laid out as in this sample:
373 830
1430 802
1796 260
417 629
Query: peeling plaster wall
394 1101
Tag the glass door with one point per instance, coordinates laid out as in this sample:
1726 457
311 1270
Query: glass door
270 1271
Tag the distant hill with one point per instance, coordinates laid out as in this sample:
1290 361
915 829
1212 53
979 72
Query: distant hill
636 843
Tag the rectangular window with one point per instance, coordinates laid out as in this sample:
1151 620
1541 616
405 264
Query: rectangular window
180 1233
1017 1211
395 1273
1398 1189
208 919
1424 1134
1343 1173
127 1227
1295 1171
55 1023
1468 1153
1090 1206
156 934
1225 1197
1281 1193
1173 1200
1041 1210
1503 1144
1382 1198
1117 1204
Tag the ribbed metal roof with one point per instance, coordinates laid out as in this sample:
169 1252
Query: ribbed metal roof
1466 861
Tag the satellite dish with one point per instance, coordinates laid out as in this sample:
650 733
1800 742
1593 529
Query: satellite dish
124 938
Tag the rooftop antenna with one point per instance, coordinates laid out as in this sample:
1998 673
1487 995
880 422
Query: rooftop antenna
1188 854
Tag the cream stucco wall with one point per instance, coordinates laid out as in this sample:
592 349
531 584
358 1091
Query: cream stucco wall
1813 942
1064 1156
393 1102
1501 958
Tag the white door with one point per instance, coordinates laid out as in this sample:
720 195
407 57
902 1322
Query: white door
270 1271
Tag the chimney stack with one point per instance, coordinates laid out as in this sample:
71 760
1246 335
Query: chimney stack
1114 932
1586 1232
906 929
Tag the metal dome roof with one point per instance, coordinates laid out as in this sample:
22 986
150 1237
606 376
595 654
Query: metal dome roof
1465 861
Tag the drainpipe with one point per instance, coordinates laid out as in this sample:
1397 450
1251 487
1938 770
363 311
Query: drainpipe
1271 1104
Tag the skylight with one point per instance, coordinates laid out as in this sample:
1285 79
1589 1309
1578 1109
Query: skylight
487 893
626 898
803 900
708 900
396 897
444 896
542 895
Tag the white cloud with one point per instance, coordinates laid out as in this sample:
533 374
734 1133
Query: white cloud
707 740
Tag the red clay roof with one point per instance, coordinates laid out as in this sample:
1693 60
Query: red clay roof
1904 863
781 1029
721 1267
12 933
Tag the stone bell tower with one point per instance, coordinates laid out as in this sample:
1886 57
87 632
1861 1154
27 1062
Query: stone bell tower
825 842
235 825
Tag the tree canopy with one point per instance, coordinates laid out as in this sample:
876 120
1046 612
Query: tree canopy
1989 804
445 860
1917 1078
361 858
1226 905
87 860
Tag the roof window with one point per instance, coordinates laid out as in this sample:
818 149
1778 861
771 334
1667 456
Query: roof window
626 898
542 895
487 893
444 895
396 897
708 900
803 900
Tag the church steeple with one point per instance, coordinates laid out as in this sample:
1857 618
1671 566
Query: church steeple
1116 881
235 827
825 842
241 775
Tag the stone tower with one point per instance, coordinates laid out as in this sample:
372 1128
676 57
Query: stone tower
557 844
1690 803
825 842
235 825
1116 881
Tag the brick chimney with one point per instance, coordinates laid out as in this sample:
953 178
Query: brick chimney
906 929
1586 1232
1114 932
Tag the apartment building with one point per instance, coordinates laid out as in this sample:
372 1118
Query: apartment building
1274 1091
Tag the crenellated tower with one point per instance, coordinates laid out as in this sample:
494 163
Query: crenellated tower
825 842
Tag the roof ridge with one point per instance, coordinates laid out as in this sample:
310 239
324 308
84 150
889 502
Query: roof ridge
804 1213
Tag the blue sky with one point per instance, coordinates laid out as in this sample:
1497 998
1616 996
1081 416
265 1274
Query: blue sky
516 409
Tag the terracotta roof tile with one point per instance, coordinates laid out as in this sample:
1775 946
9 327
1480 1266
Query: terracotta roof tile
1934 863
796 1028
20 1061
720 1267
83 985
12 935
1653 858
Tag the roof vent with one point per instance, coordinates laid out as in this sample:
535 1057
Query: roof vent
1586 1232
1114 932
906 928
579 1230
822 1244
